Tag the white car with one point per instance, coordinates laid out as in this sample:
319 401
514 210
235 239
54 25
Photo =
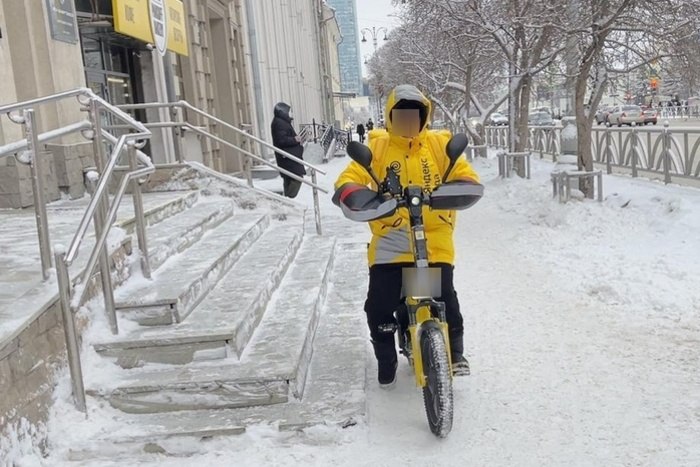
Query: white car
498 119
625 115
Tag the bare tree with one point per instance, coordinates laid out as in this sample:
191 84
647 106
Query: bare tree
616 36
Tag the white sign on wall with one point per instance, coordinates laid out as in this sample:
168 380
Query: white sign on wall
158 25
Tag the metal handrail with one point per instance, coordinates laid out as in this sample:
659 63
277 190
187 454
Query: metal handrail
264 143
186 105
142 158
185 125
22 145
207 134
44 100
249 154
72 252
103 222
68 305
97 211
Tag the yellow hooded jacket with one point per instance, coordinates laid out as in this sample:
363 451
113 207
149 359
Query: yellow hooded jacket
419 161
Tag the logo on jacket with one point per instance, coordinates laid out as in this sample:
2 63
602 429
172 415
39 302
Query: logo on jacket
395 166
427 176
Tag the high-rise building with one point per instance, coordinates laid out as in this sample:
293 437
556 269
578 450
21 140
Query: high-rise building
349 49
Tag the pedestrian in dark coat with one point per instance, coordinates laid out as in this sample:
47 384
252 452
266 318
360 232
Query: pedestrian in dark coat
361 132
284 137
370 125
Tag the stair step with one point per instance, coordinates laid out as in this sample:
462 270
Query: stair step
273 365
336 391
224 321
175 235
163 211
184 280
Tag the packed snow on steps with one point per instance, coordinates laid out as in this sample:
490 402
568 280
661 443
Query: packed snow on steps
582 330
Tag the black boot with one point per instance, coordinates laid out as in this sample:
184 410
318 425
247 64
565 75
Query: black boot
460 364
385 351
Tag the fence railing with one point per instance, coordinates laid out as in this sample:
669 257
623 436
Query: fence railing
679 111
663 151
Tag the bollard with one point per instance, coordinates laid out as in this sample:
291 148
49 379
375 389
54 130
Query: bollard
666 153
633 143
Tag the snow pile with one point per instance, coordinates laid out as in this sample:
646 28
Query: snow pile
18 442
569 131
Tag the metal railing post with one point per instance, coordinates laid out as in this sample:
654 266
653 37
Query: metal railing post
138 213
72 346
247 161
317 206
608 151
666 153
634 150
31 132
100 216
176 116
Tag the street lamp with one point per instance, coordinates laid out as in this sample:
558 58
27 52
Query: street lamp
374 32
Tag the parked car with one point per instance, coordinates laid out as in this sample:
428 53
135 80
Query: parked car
540 119
625 115
498 119
601 116
650 115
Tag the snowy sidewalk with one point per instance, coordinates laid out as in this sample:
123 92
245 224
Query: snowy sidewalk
582 330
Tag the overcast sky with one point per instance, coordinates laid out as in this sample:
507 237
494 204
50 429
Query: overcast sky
374 13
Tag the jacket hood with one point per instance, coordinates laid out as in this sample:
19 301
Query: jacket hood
282 111
407 92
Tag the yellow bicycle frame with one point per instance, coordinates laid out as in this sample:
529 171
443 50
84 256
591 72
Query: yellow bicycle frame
422 315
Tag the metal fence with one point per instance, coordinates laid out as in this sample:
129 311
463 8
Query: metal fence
679 111
662 151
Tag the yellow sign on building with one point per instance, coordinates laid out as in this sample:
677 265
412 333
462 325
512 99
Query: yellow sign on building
132 18
177 27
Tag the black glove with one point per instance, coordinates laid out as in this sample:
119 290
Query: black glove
361 204
457 195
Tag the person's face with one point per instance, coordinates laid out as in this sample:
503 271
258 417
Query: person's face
405 122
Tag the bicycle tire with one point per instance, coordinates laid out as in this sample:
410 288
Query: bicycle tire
437 392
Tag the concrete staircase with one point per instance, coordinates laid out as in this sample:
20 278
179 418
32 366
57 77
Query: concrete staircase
246 320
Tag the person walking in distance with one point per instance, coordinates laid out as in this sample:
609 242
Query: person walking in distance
361 132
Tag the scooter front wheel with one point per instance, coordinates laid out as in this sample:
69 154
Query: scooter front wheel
437 392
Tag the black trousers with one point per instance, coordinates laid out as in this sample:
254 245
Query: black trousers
291 187
384 298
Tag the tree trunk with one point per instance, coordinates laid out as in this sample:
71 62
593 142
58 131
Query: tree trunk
522 133
524 101
584 126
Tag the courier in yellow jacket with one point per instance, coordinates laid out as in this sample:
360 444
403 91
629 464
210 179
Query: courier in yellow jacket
420 160
418 156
